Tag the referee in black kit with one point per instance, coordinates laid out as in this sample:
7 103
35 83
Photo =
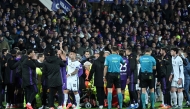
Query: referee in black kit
148 63
112 74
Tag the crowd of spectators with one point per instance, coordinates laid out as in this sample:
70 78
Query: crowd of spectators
126 24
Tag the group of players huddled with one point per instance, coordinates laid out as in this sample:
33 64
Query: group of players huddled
61 72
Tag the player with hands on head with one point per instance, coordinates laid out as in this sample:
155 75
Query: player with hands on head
72 79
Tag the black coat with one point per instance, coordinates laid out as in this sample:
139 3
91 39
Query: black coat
4 60
133 68
124 9
51 70
19 68
97 70
82 80
28 72
44 77
1 77
10 71
164 68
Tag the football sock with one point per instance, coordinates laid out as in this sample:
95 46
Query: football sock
109 98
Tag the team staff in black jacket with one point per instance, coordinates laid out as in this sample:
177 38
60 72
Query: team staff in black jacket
19 95
98 70
29 78
9 78
163 72
4 57
132 76
51 69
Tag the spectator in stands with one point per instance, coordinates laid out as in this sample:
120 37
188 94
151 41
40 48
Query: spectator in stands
132 24
3 44
85 57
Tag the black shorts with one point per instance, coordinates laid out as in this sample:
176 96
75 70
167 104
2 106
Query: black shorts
147 80
113 79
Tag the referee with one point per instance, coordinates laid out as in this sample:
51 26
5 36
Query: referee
148 66
112 74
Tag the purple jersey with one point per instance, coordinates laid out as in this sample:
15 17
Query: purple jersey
63 71
80 72
124 68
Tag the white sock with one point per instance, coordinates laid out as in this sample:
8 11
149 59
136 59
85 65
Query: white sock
65 99
77 98
162 98
146 101
174 97
171 99
180 98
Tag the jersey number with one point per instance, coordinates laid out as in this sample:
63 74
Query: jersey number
123 68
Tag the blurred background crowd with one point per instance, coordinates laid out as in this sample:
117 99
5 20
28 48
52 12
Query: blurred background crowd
95 27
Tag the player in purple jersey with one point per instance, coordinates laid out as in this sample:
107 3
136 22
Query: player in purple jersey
63 69
80 72
63 74
123 71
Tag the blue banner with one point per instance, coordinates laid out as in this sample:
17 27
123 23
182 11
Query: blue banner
105 1
55 5
111 1
63 4
136 1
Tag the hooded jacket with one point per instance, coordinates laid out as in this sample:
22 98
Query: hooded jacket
51 70
97 70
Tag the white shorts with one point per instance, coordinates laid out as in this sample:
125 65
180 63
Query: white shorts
73 84
174 84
